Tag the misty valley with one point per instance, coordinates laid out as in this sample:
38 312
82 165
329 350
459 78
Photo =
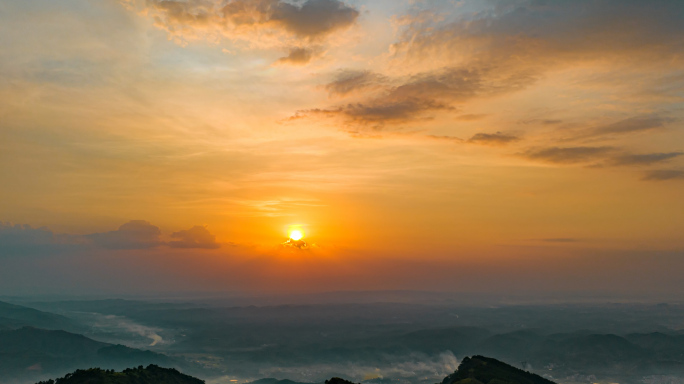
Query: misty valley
371 338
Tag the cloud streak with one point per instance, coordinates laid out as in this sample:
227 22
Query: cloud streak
415 98
24 240
664 175
567 155
496 139
644 159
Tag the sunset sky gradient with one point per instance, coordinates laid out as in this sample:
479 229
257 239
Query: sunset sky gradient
519 146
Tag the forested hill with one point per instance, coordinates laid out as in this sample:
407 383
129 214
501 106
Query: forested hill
472 370
485 370
151 375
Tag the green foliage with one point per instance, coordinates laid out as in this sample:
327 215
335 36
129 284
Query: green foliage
480 369
337 380
151 375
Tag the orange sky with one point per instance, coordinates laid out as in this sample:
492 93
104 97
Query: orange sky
401 137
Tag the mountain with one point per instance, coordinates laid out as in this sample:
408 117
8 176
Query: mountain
151 375
485 370
29 352
16 316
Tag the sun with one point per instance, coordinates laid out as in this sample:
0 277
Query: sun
296 235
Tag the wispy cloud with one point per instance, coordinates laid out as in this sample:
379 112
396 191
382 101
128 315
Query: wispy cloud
497 138
567 155
18 240
643 159
416 98
664 175
351 82
633 125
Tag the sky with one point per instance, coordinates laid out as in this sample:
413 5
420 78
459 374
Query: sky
469 146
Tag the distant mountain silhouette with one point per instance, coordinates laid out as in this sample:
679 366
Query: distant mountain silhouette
151 375
485 370
16 316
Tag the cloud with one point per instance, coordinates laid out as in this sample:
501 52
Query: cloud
447 138
24 240
195 237
416 97
378 113
566 155
252 20
313 19
632 125
664 175
294 244
493 139
542 34
644 159
460 57
298 56
497 138
349 82
136 234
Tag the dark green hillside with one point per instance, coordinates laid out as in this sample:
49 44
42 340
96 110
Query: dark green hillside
485 370
337 380
151 375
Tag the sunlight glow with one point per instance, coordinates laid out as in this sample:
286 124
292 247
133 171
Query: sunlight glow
296 235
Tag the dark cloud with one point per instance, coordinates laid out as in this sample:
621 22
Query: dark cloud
664 175
644 159
136 234
497 138
298 56
631 125
313 19
567 155
532 32
379 113
417 97
24 240
349 82
507 49
195 237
